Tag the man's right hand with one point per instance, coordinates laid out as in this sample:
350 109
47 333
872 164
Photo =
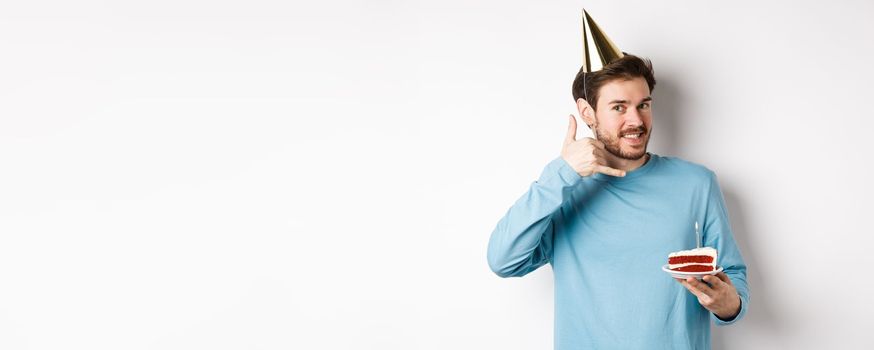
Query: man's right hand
587 155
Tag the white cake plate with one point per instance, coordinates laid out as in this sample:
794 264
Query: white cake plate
684 275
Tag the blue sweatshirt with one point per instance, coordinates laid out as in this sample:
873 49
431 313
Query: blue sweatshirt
607 238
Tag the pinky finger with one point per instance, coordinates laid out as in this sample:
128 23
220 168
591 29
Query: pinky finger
609 171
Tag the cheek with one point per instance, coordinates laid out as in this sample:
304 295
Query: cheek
610 124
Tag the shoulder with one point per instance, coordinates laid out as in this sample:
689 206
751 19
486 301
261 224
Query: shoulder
687 170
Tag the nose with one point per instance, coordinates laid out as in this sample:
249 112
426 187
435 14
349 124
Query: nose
633 118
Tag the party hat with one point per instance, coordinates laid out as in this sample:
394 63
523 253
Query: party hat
598 49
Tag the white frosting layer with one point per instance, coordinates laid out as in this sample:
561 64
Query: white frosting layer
697 251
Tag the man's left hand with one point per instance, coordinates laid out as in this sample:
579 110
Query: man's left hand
720 297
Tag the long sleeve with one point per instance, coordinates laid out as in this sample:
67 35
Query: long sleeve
718 234
522 239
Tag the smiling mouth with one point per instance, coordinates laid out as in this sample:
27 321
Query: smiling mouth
633 136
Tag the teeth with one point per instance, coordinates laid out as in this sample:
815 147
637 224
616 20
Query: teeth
632 136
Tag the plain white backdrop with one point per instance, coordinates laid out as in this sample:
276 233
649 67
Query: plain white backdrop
325 175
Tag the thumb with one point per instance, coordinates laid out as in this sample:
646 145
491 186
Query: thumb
571 130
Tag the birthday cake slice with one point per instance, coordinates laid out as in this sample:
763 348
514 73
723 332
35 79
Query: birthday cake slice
696 260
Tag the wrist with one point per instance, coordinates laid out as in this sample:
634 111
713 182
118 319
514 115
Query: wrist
731 313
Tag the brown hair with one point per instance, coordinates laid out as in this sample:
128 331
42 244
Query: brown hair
626 68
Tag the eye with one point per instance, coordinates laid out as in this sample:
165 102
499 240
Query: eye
619 108
644 105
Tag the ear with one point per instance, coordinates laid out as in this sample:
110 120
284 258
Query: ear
586 112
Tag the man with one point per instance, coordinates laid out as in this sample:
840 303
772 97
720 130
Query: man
606 214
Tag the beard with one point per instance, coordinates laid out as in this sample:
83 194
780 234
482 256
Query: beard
611 143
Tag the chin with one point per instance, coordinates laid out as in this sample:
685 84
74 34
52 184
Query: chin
632 153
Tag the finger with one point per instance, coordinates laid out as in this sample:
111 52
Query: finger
609 171
597 143
700 286
599 154
714 281
693 290
722 276
599 158
571 130
602 161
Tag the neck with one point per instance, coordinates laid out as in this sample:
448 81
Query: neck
626 164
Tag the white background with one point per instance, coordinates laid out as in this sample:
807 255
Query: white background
325 175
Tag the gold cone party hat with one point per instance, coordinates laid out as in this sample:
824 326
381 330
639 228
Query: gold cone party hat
598 49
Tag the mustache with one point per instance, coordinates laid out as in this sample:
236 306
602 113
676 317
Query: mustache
638 130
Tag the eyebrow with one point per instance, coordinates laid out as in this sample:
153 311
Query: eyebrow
647 99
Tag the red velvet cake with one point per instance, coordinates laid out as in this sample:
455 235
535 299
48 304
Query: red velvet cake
696 260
